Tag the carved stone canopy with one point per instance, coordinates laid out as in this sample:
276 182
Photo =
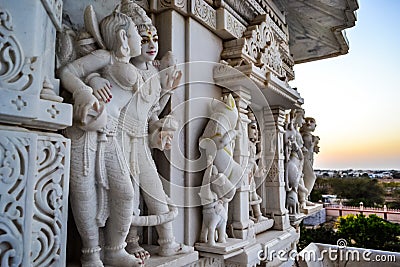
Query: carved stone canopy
316 27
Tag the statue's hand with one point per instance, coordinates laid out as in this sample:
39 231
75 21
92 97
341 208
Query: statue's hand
101 88
170 78
83 101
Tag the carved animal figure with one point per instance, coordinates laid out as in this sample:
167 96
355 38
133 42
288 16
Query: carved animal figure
215 194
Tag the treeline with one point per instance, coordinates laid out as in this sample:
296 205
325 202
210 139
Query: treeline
356 190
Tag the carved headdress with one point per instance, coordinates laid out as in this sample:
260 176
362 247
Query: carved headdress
137 14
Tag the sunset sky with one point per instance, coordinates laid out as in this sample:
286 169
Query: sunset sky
355 98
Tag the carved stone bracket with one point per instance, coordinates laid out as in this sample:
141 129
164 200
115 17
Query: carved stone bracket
33 203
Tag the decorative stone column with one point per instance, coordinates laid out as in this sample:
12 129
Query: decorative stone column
34 165
273 189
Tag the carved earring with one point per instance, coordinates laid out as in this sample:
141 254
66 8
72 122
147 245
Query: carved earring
124 50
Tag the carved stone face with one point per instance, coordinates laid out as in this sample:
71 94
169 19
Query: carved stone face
149 44
310 124
134 41
252 132
299 119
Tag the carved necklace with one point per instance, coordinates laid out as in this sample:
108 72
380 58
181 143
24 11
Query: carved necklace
148 79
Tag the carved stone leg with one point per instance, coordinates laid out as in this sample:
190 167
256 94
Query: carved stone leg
83 196
121 209
156 201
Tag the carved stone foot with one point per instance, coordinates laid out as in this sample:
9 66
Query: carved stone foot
174 249
117 256
134 249
91 257
309 203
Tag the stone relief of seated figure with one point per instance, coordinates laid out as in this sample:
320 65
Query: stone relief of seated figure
215 194
101 191
140 130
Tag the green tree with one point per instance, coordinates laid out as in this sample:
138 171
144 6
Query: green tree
357 190
324 234
370 232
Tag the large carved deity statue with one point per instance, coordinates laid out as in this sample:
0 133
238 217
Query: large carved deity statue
116 107
101 190
311 147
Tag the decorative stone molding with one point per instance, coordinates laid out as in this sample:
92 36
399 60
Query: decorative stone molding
54 10
208 262
205 13
33 203
179 5
259 47
228 26
16 70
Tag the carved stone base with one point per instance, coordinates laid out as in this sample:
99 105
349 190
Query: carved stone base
172 261
312 209
296 219
263 226
231 245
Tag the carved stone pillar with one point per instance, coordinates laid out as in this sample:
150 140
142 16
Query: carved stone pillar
34 165
274 192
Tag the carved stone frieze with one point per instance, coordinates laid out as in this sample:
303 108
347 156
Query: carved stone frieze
243 8
260 47
203 11
208 262
176 4
16 71
228 25
28 87
34 172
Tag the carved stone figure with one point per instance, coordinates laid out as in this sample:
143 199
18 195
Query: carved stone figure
219 136
311 147
216 192
255 171
101 190
140 130
294 159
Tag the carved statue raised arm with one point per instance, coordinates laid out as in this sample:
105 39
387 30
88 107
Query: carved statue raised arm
101 190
